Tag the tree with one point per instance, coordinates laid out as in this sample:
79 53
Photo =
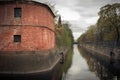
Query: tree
109 20
107 29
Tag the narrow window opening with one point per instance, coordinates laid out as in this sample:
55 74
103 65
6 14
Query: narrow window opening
17 12
17 38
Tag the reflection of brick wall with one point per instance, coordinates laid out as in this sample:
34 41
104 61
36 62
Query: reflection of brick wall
36 27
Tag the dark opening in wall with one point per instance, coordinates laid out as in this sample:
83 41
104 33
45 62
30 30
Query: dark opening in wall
17 12
17 38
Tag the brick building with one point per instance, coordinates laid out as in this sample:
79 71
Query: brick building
26 25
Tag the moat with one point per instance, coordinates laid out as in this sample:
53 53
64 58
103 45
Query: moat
79 65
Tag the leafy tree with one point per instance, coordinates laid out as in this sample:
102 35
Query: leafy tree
107 29
64 37
109 22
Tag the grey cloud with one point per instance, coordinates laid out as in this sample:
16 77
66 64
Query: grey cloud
88 3
87 9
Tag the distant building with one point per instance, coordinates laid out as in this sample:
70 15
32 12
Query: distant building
26 25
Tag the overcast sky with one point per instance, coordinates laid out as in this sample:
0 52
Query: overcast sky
79 13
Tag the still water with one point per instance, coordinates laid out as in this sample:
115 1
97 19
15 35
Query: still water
79 65
79 69
87 67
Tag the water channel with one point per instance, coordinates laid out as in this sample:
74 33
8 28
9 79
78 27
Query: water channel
79 69
79 65
87 67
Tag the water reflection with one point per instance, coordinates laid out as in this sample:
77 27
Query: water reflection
79 69
55 74
64 67
104 69
79 65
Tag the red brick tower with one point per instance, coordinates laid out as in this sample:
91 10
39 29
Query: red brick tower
26 25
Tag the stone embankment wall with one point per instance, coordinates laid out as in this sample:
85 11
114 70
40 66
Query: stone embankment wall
102 50
26 62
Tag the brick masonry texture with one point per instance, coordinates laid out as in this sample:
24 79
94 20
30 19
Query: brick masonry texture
36 27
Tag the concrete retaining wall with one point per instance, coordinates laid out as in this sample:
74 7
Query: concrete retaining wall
103 50
25 62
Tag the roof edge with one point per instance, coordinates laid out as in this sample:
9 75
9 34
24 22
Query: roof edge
28 1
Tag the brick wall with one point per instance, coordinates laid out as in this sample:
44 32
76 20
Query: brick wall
36 27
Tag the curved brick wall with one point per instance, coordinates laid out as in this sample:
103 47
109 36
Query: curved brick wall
36 27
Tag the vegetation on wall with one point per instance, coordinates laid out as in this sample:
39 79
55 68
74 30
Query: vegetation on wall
107 29
64 37
63 34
